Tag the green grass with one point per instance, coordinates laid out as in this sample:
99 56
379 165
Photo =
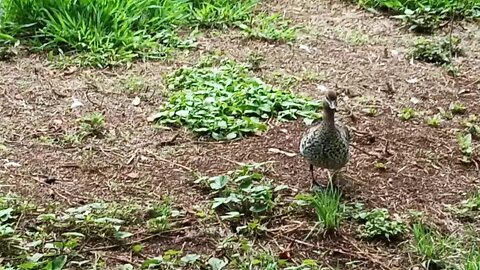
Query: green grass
109 32
222 100
270 28
103 33
327 206
432 247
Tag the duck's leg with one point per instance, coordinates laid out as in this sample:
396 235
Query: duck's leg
332 178
314 181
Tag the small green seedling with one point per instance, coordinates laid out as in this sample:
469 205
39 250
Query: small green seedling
465 146
434 121
457 108
407 114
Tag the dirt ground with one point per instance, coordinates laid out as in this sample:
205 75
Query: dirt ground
350 49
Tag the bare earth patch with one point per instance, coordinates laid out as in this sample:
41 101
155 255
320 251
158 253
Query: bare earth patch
348 50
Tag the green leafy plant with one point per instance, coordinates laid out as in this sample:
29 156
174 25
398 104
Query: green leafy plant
172 259
425 15
422 19
379 223
434 121
407 114
472 126
372 111
438 51
255 60
90 125
457 108
469 207
245 191
269 27
161 216
328 207
225 102
465 146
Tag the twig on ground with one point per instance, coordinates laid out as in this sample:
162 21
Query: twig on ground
141 240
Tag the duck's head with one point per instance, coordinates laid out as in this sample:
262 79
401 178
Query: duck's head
330 100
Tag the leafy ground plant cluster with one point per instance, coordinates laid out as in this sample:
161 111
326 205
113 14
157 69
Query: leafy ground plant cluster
439 51
426 15
48 237
244 195
222 100
111 32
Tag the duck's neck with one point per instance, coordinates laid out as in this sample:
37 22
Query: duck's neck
329 116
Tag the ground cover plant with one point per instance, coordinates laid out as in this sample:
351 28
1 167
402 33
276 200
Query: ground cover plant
223 100
378 223
426 15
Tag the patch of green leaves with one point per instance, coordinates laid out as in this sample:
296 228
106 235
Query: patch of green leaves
472 126
244 197
272 27
465 145
440 51
161 216
407 114
222 100
469 207
41 237
434 121
173 259
378 223
241 254
245 191
425 15
90 125
457 108
327 206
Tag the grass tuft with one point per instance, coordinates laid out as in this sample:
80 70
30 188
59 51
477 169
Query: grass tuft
110 32
328 207
430 245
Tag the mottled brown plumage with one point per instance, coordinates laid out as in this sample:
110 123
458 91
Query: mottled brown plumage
326 144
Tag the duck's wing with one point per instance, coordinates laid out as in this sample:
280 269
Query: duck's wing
344 131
